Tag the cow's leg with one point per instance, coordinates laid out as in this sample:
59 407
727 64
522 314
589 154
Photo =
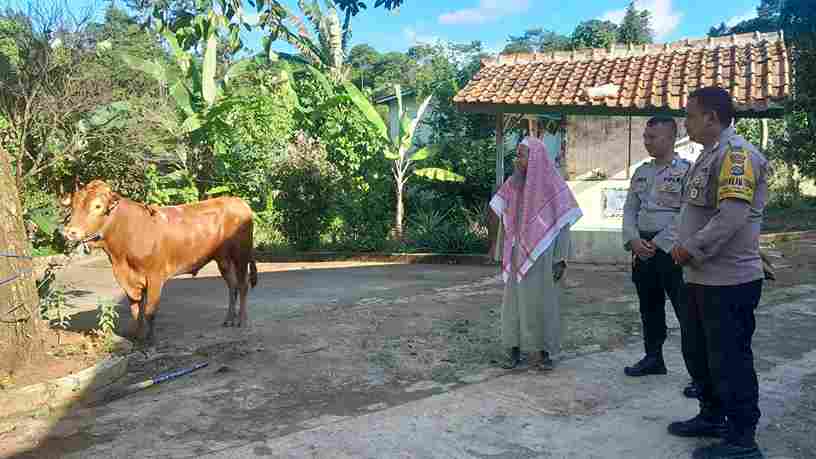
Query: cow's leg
232 298
133 286
241 264
136 313
151 306
227 269
242 292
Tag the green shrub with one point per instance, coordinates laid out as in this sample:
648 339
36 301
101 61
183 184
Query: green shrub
42 215
362 214
305 182
455 230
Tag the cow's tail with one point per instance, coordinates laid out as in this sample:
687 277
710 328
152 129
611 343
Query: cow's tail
253 272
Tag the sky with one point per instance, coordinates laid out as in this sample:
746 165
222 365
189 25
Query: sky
492 21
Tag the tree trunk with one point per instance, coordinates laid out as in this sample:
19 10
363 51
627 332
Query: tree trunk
20 323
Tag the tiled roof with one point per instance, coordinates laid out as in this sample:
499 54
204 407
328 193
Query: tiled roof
754 67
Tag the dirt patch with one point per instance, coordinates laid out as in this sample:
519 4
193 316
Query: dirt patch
66 353
327 344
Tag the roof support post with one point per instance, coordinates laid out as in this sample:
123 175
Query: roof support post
764 135
499 150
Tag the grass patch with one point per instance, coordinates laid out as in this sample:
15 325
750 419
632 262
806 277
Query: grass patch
386 358
44 251
472 345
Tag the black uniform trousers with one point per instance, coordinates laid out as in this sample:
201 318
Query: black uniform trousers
717 347
654 279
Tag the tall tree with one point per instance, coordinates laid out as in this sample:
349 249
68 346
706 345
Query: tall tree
402 150
595 33
798 19
636 26
362 58
43 53
537 40
767 20
20 324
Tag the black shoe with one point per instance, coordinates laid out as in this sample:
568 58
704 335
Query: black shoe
700 426
649 365
693 390
726 450
545 363
515 359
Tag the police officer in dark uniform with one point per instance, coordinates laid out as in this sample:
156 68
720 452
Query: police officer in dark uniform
652 204
718 247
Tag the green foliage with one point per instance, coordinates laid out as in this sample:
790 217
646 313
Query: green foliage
53 304
537 40
799 147
106 319
453 230
594 33
635 28
305 182
177 187
767 20
41 215
249 134
784 181
363 195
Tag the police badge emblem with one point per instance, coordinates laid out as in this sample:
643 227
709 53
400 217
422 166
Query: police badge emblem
737 157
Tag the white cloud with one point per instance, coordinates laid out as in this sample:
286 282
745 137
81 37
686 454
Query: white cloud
737 19
488 10
664 19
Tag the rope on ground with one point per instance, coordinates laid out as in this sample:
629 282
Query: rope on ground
18 274
11 255
15 276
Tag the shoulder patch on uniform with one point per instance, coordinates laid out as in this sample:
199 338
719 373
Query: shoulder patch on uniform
737 178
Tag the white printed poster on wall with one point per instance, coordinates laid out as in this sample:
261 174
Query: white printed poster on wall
613 201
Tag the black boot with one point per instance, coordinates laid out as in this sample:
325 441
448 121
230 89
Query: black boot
515 358
652 364
693 390
706 424
546 363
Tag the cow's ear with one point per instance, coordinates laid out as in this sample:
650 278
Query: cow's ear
65 201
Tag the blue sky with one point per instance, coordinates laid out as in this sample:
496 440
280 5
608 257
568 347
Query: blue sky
491 21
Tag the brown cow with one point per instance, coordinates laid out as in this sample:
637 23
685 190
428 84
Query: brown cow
148 245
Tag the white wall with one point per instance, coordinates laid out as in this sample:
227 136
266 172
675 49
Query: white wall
589 193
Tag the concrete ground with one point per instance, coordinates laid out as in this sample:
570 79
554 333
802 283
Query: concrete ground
388 361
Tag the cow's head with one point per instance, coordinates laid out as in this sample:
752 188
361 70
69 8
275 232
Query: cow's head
90 207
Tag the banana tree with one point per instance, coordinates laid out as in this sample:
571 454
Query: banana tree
402 149
323 49
192 78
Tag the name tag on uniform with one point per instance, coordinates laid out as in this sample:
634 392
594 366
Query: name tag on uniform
671 185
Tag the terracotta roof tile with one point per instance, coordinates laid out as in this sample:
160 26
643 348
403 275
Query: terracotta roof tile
753 67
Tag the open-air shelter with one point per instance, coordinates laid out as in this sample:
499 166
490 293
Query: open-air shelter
603 98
